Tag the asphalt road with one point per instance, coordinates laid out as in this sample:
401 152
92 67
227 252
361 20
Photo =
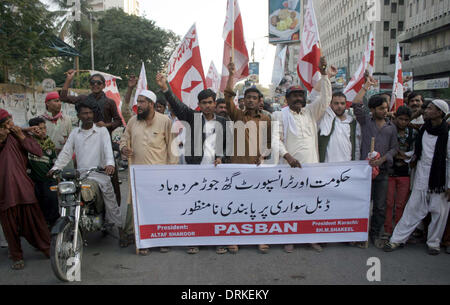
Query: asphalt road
105 263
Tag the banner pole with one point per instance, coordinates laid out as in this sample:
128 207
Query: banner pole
232 33
129 176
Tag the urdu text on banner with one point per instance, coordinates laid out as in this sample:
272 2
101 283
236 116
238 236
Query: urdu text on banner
244 204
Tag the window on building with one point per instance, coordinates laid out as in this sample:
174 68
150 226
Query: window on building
392 60
400 26
393 34
386 26
394 8
386 52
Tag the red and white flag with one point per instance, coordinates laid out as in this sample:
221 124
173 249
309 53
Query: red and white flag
111 90
141 85
367 64
309 58
213 78
185 71
233 24
397 88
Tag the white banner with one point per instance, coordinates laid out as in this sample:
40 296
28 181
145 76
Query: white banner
244 204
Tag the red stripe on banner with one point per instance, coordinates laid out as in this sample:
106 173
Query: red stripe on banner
256 229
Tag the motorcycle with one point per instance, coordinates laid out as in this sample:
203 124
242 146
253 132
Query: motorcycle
82 211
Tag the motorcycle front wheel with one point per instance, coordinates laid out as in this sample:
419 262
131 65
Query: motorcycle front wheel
66 263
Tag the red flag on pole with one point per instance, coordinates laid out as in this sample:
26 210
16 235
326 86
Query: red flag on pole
213 78
185 72
397 89
234 46
367 64
111 90
141 85
308 62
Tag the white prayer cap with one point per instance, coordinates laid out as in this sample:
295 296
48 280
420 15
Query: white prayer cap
148 94
442 105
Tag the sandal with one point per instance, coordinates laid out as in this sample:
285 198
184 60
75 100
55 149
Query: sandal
316 247
221 250
233 249
193 250
18 265
164 250
144 252
288 248
123 239
389 247
264 249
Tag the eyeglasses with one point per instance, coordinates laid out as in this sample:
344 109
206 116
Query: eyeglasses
96 82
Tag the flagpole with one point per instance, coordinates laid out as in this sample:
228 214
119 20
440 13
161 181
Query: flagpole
232 33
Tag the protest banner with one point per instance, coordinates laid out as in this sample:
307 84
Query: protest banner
244 204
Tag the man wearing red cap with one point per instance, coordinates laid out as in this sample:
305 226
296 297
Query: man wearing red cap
58 125
20 214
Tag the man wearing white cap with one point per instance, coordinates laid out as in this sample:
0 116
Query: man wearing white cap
146 141
430 193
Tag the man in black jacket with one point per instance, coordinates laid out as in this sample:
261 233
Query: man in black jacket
206 142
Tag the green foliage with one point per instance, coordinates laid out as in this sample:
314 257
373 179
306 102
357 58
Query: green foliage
123 42
25 30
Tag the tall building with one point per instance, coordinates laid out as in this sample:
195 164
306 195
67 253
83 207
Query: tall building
344 32
427 33
130 7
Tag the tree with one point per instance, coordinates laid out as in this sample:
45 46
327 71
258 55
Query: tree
25 31
124 41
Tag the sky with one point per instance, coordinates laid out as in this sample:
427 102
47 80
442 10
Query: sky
209 16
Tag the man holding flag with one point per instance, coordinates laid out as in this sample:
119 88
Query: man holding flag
234 49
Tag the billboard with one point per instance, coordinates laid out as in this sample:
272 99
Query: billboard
284 21
253 68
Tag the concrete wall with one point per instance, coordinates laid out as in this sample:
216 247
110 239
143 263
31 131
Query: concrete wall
23 105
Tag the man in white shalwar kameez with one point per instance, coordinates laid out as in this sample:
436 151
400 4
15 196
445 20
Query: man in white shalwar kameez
296 137
430 193
339 133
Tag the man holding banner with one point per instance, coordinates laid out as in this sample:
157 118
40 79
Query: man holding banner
208 136
253 141
297 136
146 141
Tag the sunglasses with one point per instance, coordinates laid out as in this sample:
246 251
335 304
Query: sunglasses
96 82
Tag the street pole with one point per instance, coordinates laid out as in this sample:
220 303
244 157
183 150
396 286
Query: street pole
92 43
348 58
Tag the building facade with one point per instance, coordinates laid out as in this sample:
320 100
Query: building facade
427 33
345 26
130 7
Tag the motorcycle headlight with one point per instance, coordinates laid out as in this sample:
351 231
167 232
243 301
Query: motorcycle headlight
67 188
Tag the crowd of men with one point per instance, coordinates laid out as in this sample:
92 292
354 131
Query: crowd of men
408 151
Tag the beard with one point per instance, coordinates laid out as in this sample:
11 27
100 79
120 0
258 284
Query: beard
142 116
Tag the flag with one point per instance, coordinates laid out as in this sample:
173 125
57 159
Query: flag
185 71
367 64
397 88
278 65
213 78
141 85
111 90
309 58
241 59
